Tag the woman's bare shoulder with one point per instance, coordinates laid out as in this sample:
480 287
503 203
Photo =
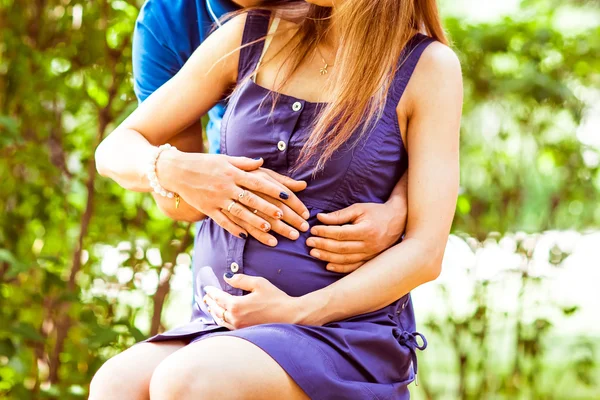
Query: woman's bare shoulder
438 65
437 73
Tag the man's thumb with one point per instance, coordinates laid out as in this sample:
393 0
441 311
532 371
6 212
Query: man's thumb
340 217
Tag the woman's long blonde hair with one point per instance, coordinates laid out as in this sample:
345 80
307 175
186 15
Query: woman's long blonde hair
373 34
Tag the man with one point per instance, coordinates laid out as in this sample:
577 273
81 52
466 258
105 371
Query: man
166 33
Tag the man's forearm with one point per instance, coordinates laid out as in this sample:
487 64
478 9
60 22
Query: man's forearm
400 194
184 212
375 285
190 139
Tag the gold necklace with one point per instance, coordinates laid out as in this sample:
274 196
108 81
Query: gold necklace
323 70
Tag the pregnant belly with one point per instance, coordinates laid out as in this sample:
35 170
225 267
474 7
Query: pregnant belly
288 265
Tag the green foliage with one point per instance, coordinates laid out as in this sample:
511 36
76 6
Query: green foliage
497 332
77 252
523 166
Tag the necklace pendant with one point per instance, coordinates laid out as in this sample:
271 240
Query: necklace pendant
323 71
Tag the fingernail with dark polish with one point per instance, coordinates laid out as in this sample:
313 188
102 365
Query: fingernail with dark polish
257 158
243 235
284 195
228 275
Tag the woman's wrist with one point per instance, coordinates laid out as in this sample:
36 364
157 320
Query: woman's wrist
152 173
315 308
397 201
168 171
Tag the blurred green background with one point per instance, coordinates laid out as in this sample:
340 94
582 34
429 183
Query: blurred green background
87 269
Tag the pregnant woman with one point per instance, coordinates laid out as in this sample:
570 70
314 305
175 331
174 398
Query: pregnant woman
336 95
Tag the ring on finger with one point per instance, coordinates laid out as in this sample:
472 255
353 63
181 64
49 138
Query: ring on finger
230 206
254 212
241 195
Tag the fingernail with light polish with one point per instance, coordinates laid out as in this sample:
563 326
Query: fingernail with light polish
284 195
304 226
294 235
306 215
228 275
272 242
315 254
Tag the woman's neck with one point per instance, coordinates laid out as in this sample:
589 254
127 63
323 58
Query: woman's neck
331 40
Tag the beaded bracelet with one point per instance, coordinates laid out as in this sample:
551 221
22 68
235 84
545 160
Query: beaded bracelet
153 178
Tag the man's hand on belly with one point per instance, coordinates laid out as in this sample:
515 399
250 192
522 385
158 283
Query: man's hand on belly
358 233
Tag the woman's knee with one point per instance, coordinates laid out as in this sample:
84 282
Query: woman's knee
202 370
178 378
114 379
127 375
207 369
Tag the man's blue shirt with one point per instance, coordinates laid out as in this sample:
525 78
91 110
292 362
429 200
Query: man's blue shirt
166 34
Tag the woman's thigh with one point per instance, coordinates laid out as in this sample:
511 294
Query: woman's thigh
222 367
127 375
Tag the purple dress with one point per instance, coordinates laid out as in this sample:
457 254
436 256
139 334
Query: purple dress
370 356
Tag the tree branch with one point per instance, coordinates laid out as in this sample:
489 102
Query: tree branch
164 285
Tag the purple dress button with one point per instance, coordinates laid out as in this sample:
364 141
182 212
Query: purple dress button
234 267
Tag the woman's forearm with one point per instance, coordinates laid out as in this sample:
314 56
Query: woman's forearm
123 157
116 159
375 285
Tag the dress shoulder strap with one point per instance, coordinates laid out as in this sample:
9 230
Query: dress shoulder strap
406 66
268 40
253 41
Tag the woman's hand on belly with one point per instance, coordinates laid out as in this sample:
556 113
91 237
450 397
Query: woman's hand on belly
221 186
294 213
264 304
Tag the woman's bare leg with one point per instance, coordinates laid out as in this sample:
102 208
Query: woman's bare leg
127 375
222 367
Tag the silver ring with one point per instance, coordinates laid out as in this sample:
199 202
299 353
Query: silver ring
254 212
241 195
229 207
